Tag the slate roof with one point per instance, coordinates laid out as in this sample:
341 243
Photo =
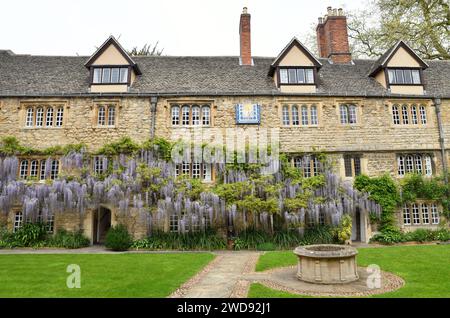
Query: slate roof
27 75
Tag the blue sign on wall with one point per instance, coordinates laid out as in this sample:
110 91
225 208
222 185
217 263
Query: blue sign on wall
248 114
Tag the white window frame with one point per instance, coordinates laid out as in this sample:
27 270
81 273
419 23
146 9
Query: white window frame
18 221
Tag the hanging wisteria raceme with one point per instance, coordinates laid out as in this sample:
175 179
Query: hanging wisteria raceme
146 185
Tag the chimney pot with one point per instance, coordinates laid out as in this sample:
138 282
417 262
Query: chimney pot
332 37
244 10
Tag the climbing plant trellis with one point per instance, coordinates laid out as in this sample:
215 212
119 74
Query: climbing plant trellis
158 196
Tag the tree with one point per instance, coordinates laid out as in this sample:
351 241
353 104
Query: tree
423 24
146 50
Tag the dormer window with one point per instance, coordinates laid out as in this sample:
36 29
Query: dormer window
404 76
296 75
110 75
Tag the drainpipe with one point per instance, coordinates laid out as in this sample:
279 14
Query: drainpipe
437 104
153 102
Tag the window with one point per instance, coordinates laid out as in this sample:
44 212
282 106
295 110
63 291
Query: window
304 115
24 169
321 218
106 115
296 76
38 116
195 115
42 170
34 169
175 115
59 116
425 214
415 213
308 165
409 115
309 115
173 223
110 75
18 221
54 170
111 115
50 224
295 119
348 114
352 165
286 115
194 170
418 163
404 77
99 165
406 215
434 214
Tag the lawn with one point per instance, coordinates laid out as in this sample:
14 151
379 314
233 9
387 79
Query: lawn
102 275
426 269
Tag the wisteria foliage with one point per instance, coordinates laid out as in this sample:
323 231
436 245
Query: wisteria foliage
123 189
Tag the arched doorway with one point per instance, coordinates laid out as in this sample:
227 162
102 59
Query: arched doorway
102 223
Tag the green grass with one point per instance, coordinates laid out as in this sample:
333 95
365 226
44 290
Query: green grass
102 275
426 269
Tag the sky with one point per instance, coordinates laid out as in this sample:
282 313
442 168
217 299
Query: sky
186 28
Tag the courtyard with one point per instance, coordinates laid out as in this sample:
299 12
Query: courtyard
24 273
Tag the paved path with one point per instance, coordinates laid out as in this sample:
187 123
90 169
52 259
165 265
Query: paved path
222 278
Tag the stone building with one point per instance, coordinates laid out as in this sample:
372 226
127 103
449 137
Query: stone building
371 116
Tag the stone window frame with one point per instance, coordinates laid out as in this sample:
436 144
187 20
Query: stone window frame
336 103
313 165
202 169
416 109
40 168
347 107
300 104
107 105
402 160
202 105
45 105
98 165
409 219
356 165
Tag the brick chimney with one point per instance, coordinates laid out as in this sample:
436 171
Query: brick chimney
332 37
245 38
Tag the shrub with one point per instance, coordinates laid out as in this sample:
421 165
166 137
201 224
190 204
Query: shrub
118 238
30 234
66 239
208 240
344 230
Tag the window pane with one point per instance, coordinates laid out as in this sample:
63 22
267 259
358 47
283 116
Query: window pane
395 115
39 117
414 114
206 115
423 115
59 116
401 165
418 163
101 115
344 114
29 121
123 75
49 117
391 74
42 170
111 116
292 76
304 115
115 75
34 168
409 164
195 170
283 75
416 76
406 215
352 114
55 169
415 212
301 75
357 164
399 76
314 120
295 119
24 169
405 115
195 115
348 166
97 75
428 166
309 76
425 214
285 115
206 172
434 214
185 114
106 77
408 77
